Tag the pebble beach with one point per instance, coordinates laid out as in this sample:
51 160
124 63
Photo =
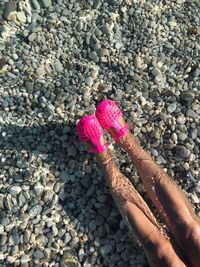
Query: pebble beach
58 60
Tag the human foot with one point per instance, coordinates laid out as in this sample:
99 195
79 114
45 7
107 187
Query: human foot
90 132
110 117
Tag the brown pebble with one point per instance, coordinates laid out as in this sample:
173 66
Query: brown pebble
2 62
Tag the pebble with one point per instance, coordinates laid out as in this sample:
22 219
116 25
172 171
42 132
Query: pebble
191 113
15 190
25 258
138 62
92 225
47 3
181 152
156 72
35 210
105 250
38 254
182 136
67 238
172 107
186 97
38 188
9 10
21 16
32 37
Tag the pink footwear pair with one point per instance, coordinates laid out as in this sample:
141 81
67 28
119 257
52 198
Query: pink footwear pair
89 128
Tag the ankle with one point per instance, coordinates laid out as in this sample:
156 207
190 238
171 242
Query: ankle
128 142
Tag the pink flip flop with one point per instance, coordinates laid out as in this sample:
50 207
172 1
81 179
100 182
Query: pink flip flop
108 113
89 129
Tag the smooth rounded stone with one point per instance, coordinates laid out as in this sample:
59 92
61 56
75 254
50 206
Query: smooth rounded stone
15 56
40 71
38 254
138 62
35 210
1 255
32 37
182 136
93 56
21 17
92 225
58 66
1 201
191 113
3 239
38 189
103 52
26 236
69 260
104 211
156 72
15 190
67 238
48 195
9 9
2 62
186 97
86 181
36 5
102 198
181 152
81 254
47 3
54 231
25 258
11 259
105 250
172 107
194 133
1 229
89 81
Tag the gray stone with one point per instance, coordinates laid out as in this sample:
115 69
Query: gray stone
156 72
21 17
25 258
181 152
32 37
36 4
89 81
182 136
92 225
9 10
47 3
38 254
15 190
3 239
105 250
191 113
138 62
67 238
1 229
35 210
93 56
172 107
186 97
104 211
38 189
86 181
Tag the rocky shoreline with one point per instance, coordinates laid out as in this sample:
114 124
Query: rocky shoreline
58 59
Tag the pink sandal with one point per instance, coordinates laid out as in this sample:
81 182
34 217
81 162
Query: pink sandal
89 129
108 113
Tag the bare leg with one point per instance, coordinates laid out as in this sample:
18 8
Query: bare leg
168 198
158 247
